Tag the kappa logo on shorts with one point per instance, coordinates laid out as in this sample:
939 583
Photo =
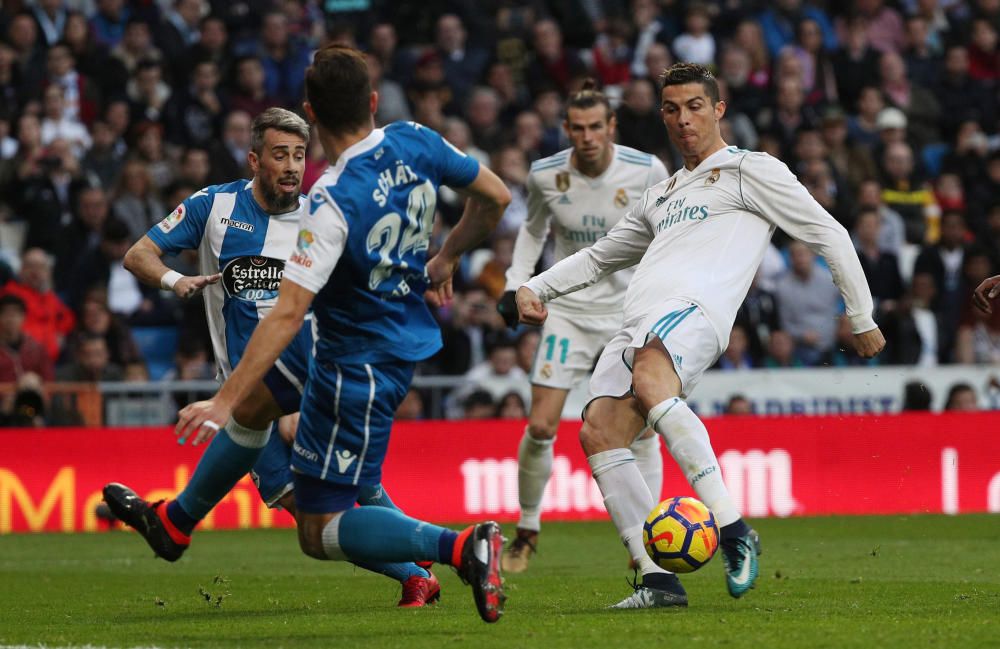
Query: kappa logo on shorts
344 459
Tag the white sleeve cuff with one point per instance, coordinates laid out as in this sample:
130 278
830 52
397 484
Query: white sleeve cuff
862 322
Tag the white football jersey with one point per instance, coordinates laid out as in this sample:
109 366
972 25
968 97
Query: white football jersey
580 210
701 234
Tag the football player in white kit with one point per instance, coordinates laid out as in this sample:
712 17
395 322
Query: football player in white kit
580 193
697 238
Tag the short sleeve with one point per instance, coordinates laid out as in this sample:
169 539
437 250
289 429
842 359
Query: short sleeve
183 228
322 237
456 169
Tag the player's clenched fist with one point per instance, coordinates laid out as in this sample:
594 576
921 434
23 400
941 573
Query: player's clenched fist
869 343
988 290
530 308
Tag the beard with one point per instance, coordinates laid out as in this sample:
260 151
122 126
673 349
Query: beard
277 200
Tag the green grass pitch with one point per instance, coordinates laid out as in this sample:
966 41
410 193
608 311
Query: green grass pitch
921 581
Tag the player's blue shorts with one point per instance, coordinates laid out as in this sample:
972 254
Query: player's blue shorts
343 434
286 380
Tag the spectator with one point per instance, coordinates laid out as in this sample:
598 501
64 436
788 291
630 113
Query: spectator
473 317
737 354
27 404
105 158
658 59
778 24
808 305
497 375
22 34
108 23
148 93
735 69
916 397
383 42
212 45
228 157
194 167
392 106
57 125
478 405
649 21
905 191
863 127
639 122
47 319
738 404
492 275
984 56
892 230
912 331
851 162
750 37
249 93
511 406
611 56
19 352
881 266
150 151
284 59
818 77
194 114
978 338
696 44
758 317
136 203
961 398
82 235
528 132
47 198
91 362
781 351
918 103
885 25
102 267
136 46
483 116
50 15
463 63
943 262
96 319
922 56
511 166
962 97
178 31
553 65
80 94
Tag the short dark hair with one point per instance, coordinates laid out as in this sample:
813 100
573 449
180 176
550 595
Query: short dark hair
9 299
588 96
338 88
679 74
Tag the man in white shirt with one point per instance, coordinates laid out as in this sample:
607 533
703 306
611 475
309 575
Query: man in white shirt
580 193
697 238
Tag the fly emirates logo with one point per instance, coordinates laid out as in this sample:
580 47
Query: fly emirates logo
679 211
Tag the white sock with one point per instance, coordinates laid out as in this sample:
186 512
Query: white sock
247 437
627 500
534 467
650 462
331 539
687 440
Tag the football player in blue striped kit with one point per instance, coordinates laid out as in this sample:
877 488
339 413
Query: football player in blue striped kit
243 231
361 264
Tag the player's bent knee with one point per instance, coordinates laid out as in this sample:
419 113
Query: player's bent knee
595 438
542 428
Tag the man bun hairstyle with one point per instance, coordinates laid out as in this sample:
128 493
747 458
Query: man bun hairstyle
588 96
679 74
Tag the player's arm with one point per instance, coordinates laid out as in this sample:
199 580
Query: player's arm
623 246
306 272
487 198
986 291
770 189
527 249
144 260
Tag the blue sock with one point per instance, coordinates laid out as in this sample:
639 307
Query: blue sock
734 530
380 534
375 495
224 463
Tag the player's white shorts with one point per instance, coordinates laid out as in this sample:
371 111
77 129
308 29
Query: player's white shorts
686 333
569 345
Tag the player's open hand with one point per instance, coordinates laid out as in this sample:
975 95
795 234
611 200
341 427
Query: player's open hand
201 419
190 286
869 343
439 271
988 290
531 309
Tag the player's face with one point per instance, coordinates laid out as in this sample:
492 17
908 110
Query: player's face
692 121
590 131
278 168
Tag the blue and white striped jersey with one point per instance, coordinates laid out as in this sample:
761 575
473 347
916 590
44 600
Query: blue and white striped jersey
235 236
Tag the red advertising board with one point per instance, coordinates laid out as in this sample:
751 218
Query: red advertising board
50 479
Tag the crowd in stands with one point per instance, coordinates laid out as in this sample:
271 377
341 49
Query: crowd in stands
112 111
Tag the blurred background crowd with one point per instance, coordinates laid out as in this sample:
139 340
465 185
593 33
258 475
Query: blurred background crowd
113 111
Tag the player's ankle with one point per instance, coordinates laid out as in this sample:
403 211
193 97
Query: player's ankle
456 552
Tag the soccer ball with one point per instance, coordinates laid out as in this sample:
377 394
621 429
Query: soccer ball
680 534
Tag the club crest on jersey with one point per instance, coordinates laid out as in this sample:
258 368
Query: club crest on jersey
713 177
173 219
562 181
621 198
306 239
546 371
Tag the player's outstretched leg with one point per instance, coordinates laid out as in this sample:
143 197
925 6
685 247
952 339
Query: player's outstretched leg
689 444
379 534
